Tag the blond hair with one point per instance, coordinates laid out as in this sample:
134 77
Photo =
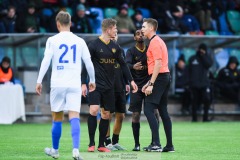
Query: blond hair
152 22
108 23
63 18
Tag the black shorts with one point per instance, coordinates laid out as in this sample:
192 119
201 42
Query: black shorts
104 98
161 86
120 102
136 101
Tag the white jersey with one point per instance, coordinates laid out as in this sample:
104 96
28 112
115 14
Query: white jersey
66 51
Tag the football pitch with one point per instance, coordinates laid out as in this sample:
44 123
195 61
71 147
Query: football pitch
192 141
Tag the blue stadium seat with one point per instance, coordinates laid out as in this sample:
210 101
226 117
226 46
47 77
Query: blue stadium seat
110 12
96 23
210 32
145 12
69 10
47 12
99 11
233 19
223 25
130 12
188 52
42 30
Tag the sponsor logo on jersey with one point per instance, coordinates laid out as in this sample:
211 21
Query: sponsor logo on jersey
107 61
60 67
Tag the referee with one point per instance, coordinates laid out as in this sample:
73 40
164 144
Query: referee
156 90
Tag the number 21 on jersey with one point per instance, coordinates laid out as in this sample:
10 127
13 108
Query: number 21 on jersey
65 49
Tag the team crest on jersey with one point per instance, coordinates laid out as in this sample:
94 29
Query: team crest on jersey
113 50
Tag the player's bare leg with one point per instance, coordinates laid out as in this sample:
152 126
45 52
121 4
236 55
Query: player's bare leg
117 129
108 141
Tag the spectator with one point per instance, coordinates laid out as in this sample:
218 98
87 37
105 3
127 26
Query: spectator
20 5
158 10
137 19
6 72
88 5
10 20
80 22
199 82
28 22
181 84
75 3
202 10
228 81
189 22
172 21
3 7
124 22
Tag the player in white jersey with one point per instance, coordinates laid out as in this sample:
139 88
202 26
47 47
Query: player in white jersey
67 52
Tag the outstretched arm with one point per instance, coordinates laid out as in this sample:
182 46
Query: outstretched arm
44 66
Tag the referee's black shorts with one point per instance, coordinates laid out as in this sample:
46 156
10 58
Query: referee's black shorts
161 86
136 101
106 99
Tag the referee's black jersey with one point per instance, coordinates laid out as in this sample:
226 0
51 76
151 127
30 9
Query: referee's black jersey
133 56
104 57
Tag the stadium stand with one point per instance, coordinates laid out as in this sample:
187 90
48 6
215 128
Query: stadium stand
188 52
145 12
211 32
110 12
223 25
96 22
27 50
234 18
130 12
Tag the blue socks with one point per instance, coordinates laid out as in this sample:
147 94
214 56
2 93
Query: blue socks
57 131
75 129
56 134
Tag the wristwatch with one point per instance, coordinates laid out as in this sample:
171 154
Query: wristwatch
150 83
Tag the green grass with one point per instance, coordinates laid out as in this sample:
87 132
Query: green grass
192 141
